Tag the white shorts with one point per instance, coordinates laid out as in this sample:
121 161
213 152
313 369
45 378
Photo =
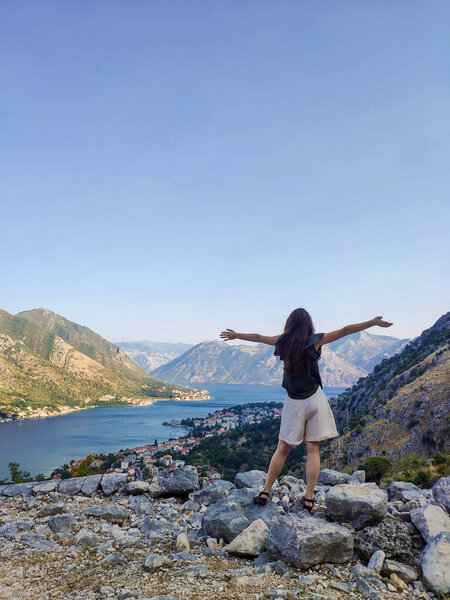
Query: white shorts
310 419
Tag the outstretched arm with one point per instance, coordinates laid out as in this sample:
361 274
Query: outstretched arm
230 334
349 329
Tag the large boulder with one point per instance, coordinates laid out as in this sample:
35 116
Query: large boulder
91 484
178 482
405 491
16 489
332 477
359 505
45 487
307 541
435 563
441 491
231 515
212 493
111 482
249 542
430 520
251 479
71 486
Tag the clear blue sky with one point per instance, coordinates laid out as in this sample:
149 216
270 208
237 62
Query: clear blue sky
170 169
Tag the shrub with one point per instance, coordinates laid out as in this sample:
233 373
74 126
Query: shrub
376 467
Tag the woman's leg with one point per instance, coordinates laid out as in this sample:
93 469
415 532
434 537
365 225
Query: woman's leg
277 463
312 468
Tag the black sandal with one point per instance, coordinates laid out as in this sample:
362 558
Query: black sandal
305 499
259 498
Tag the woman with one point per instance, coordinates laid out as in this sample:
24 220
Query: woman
306 413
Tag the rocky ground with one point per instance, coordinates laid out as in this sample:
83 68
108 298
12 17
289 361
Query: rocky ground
181 538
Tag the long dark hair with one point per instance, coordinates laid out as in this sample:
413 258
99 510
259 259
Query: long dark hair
290 346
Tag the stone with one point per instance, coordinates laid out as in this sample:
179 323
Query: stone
251 479
62 523
368 589
435 563
48 510
397 582
112 513
430 520
91 484
111 482
356 477
376 561
250 542
185 557
403 490
9 531
29 502
407 573
71 486
155 561
360 505
303 542
16 489
37 541
137 487
441 492
46 486
332 477
178 482
182 543
87 538
231 515
212 493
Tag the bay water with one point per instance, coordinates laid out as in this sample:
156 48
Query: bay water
41 445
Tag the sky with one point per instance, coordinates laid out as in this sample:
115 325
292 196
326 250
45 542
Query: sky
172 169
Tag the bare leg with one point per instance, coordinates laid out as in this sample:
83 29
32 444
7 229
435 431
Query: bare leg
312 468
277 464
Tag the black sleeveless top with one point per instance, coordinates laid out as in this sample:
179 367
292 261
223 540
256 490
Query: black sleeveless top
307 383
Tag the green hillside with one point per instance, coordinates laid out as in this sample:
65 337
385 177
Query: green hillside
49 364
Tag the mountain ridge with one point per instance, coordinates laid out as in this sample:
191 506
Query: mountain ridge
50 365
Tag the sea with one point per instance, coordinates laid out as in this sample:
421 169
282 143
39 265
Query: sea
42 445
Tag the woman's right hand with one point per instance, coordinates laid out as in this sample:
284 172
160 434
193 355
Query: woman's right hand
379 321
229 334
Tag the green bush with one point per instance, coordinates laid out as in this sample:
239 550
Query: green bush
376 467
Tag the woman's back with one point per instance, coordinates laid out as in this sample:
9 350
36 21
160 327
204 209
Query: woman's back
304 384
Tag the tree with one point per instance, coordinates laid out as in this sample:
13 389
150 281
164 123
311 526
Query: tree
18 476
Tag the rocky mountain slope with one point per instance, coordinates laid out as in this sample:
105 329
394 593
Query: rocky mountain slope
50 365
151 355
403 405
342 363
181 537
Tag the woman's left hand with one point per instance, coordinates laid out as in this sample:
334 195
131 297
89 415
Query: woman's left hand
229 334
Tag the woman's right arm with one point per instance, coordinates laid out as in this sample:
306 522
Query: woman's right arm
348 329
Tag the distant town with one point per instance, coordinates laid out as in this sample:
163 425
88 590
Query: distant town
145 461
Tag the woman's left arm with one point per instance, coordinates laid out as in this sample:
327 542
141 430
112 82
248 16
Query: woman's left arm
230 334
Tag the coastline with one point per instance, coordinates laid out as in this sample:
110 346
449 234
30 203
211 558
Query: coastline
67 410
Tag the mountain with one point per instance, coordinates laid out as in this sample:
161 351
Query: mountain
49 365
365 350
151 355
403 405
215 361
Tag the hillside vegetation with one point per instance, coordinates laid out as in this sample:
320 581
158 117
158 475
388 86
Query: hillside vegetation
402 406
50 365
